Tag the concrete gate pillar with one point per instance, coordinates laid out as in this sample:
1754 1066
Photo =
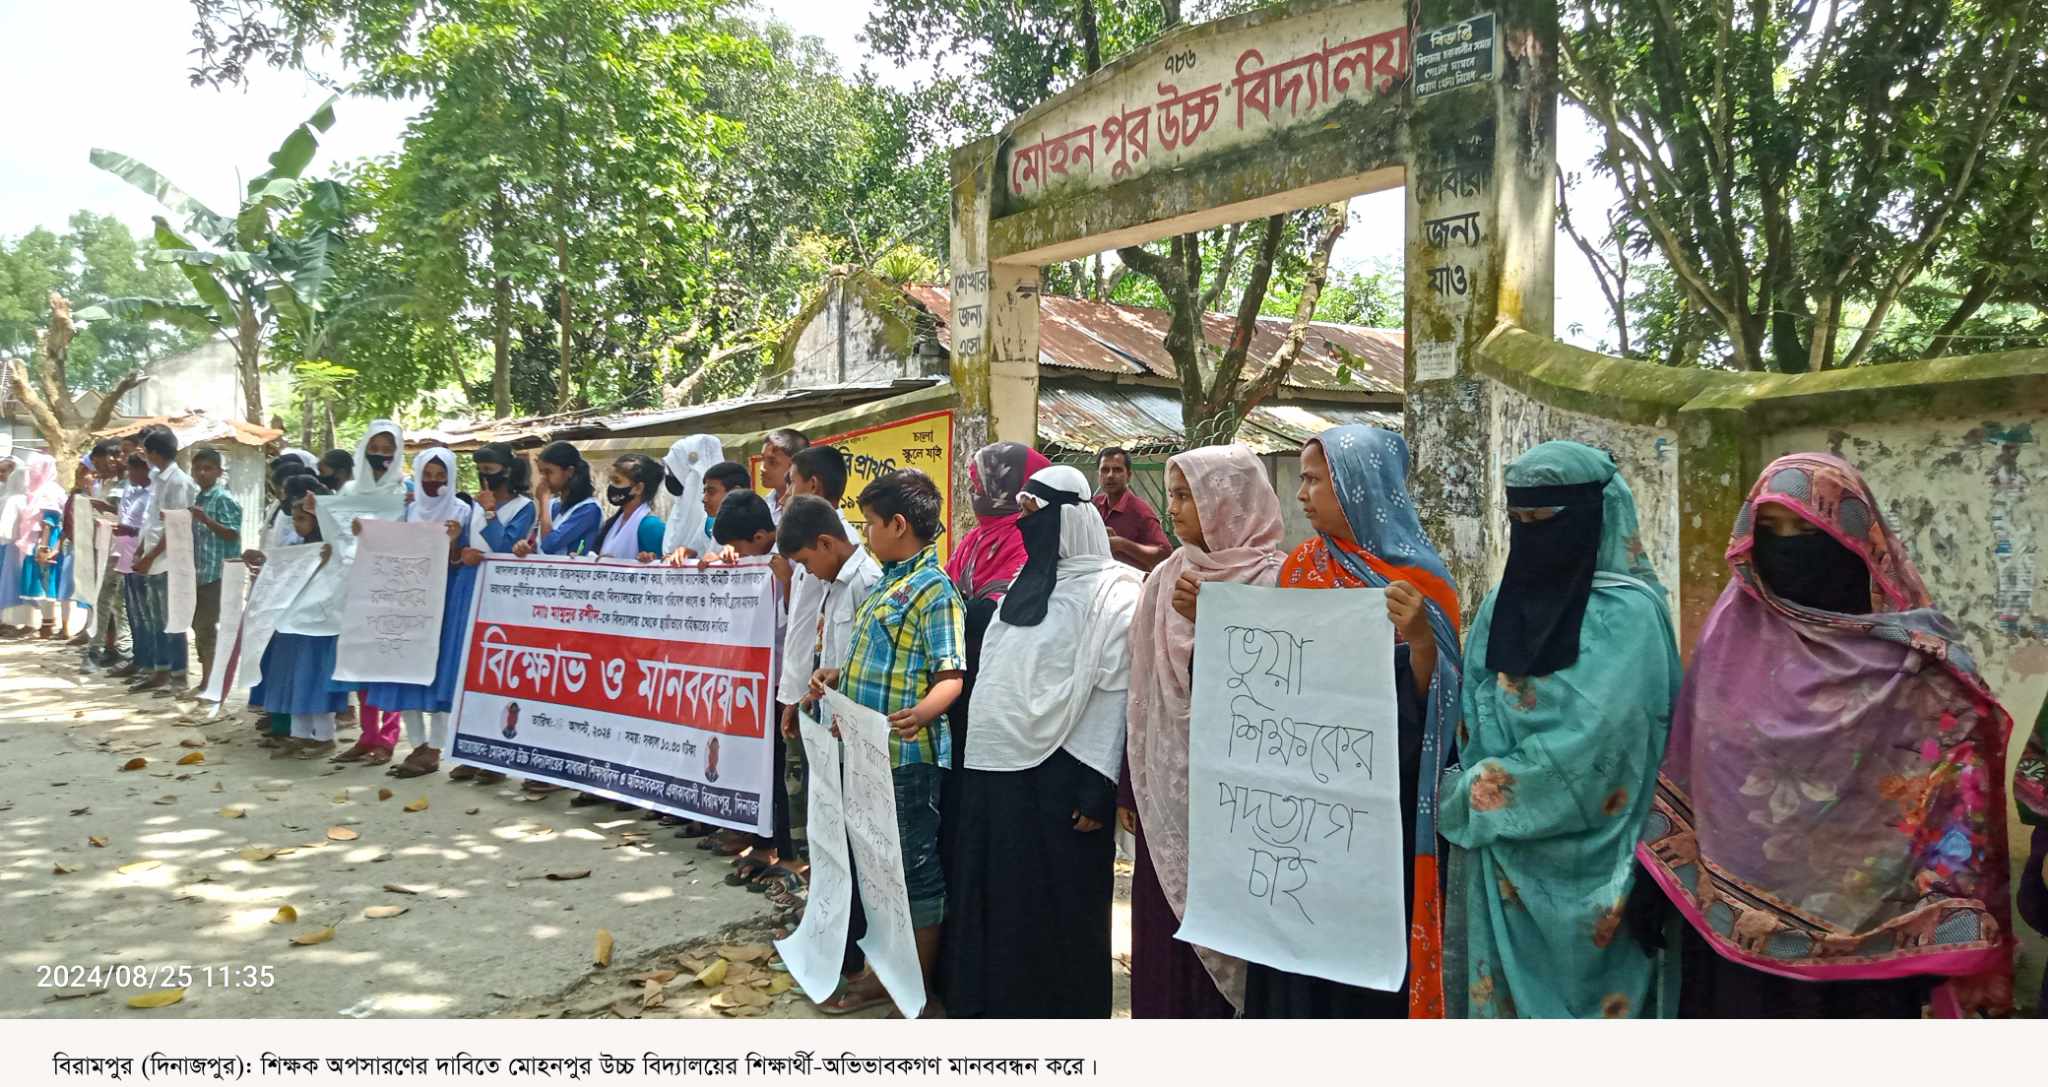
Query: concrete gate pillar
994 328
1481 181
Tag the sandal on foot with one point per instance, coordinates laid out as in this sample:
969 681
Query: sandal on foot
489 777
775 876
354 754
462 773
421 762
584 800
378 756
856 996
744 872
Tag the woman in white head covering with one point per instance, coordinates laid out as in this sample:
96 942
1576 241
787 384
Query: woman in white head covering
377 472
685 464
377 467
13 504
38 532
424 706
1029 880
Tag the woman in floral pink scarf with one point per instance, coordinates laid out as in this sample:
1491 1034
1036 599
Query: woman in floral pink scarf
1831 818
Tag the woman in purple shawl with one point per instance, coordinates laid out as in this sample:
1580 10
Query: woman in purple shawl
1831 814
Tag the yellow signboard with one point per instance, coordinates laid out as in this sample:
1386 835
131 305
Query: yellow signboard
923 442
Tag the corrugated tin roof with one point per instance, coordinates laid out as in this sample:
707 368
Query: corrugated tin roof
1104 338
1080 415
197 427
590 424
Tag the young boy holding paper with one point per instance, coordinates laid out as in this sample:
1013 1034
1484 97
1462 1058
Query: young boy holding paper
907 660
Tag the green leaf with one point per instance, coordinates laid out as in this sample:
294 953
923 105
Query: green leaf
188 315
296 153
203 281
198 216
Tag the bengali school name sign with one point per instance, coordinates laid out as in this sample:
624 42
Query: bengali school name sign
1294 784
648 684
1190 95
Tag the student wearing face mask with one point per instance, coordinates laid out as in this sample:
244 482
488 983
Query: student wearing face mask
502 496
1831 818
336 470
379 474
633 533
424 706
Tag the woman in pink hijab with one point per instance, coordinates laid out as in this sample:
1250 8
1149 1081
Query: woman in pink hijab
1227 516
38 537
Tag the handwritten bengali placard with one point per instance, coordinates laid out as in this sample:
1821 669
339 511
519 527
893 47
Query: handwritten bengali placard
1191 95
1295 855
923 442
396 588
648 684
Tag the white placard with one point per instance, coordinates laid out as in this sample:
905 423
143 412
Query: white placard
1436 360
183 594
397 586
338 513
1294 784
86 558
649 684
286 570
871 831
817 949
234 584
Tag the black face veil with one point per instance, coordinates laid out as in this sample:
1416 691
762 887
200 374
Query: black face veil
1031 591
1549 577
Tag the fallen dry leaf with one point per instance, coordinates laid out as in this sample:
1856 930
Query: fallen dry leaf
385 794
711 977
659 977
257 853
192 741
779 984
232 813
417 805
341 834
560 877
472 811
379 913
81 811
165 799
317 936
745 1011
193 759
398 890
603 955
139 866
136 763
624 1009
62 869
746 952
651 995
74 994
341 797
285 915
96 841
162 998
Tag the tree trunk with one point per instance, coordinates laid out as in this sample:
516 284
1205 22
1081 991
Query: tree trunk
326 424
501 347
562 387
1091 37
249 359
64 431
306 424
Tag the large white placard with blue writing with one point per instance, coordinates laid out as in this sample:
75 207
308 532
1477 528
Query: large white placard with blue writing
1294 784
648 684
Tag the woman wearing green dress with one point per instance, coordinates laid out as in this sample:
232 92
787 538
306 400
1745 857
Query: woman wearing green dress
1570 674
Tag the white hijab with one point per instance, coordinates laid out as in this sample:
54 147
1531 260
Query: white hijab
1063 682
686 462
13 497
303 457
433 508
366 481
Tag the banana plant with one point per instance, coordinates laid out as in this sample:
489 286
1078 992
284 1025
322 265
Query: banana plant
268 266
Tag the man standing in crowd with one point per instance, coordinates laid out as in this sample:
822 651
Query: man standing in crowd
1135 537
217 533
110 645
777 452
170 489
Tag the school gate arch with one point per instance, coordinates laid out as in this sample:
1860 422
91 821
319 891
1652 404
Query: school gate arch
1290 106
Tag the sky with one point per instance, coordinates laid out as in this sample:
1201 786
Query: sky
113 74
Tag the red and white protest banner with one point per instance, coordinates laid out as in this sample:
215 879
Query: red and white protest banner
649 684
